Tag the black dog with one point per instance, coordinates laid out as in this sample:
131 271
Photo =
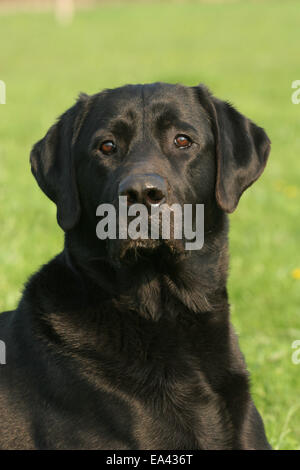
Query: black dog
123 344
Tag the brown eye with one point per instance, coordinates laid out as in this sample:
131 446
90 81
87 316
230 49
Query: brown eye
182 141
108 147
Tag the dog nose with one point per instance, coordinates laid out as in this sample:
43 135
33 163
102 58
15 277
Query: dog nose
149 189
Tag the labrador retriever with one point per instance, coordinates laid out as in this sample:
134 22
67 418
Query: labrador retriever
127 343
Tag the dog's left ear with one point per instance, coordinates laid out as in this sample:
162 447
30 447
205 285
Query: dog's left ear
53 167
242 149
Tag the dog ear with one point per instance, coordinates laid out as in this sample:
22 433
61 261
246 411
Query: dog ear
242 149
53 167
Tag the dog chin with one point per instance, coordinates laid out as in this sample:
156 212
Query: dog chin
138 251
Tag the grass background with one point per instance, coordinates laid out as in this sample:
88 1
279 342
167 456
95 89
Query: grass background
247 53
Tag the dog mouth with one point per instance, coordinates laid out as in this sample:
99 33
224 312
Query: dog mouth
131 252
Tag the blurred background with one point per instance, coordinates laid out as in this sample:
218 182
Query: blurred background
247 52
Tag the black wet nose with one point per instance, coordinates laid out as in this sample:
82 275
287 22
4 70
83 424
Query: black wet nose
149 189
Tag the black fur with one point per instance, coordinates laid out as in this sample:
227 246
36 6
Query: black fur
123 344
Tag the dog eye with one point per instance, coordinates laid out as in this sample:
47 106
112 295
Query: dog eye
108 147
182 141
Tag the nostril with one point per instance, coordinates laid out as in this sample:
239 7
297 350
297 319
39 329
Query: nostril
132 196
154 196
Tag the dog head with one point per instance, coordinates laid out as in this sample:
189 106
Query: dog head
155 144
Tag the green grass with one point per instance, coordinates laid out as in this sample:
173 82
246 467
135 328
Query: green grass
247 53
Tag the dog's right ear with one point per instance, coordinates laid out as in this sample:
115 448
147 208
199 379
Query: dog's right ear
53 167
